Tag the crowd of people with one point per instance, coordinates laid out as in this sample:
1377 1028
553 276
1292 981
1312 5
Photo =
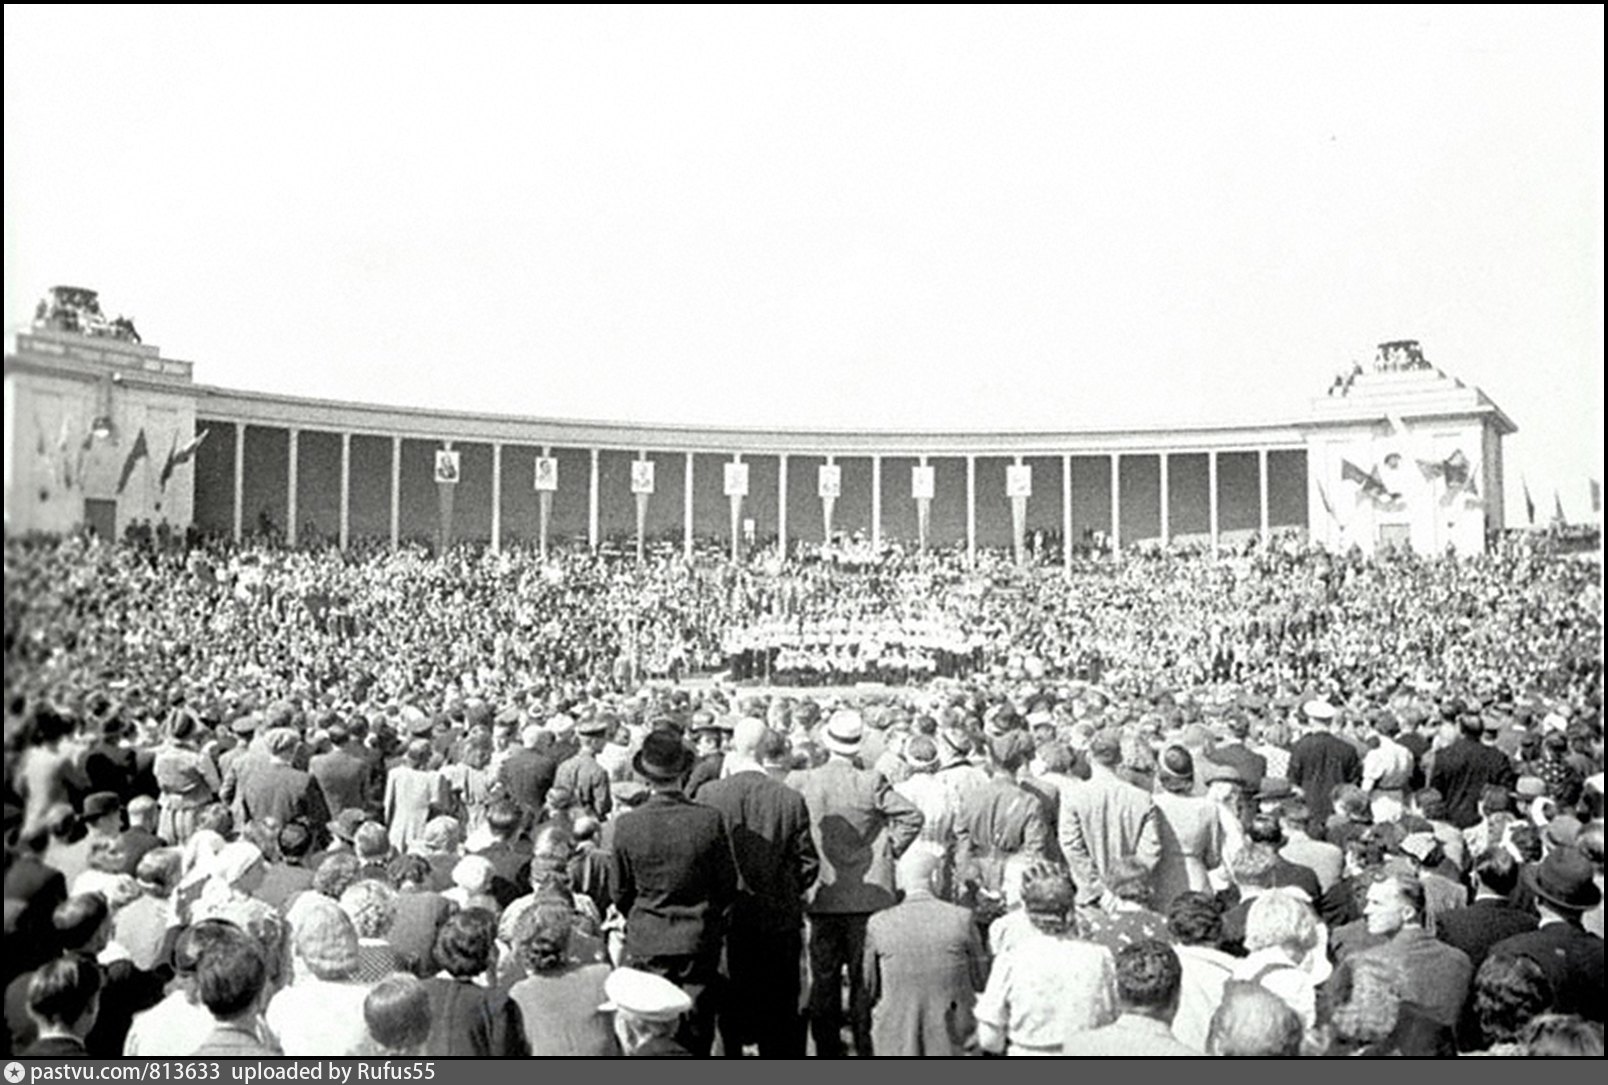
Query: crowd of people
268 801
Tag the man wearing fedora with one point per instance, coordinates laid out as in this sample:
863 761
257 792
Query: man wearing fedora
674 880
861 826
1571 957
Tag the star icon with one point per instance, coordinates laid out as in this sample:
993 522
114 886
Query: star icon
15 1072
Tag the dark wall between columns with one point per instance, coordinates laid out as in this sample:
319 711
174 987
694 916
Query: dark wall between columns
471 504
420 517
318 487
1239 497
214 477
665 507
264 491
947 523
760 505
1141 498
1287 489
521 516
898 507
369 507
993 506
1044 507
1091 496
1188 483
804 522
851 514
616 514
569 523
711 512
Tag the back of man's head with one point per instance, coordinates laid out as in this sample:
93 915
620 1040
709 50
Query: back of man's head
62 991
230 976
79 921
1252 1022
1497 871
1148 979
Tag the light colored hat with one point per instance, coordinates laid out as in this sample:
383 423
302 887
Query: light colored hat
561 724
1316 709
844 732
326 941
644 995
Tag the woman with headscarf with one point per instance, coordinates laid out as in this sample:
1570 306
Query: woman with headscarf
371 906
232 879
321 1011
188 779
1189 831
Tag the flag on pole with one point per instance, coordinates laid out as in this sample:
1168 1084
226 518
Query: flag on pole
182 455
1323 496
1372 485
1529 502
1557 508
140 451
1596 495
1432 469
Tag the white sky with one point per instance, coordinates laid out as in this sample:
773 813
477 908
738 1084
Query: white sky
972 219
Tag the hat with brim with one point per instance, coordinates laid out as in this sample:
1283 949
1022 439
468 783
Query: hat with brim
346 824
843 733
100 804
246 724
643 995
1274 789
1564 880
592 727
1319 710
1218 773
662 758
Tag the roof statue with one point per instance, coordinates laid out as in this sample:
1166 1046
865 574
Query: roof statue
76 309
1400 356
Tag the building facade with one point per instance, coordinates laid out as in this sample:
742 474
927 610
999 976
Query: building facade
104 432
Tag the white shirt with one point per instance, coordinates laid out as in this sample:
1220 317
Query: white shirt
173 1027
1387 767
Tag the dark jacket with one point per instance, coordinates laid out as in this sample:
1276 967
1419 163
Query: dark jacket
1572 959
349 782
279 791
1461 773
673 877
510 869
466 1019
1481 925
769 826
528 775
1318 763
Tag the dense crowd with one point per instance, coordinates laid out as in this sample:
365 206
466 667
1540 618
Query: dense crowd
263 800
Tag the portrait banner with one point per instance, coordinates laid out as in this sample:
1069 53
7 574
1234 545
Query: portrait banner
829 481
1019 480
447 465
642 476
546 474
923 483
736 480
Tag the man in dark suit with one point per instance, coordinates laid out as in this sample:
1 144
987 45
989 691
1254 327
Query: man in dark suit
861 827
1489 920
349 781
1464 769
1319 762
279 790
528 772
769 826
1570 955
674 880
63 1001
39 888
509 853
108 764
1252 766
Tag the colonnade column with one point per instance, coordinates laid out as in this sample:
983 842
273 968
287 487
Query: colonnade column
1116 502
496 497
876 503
396 492
781 504
736 517
1166 525
239 478
346 490
1261 464
971 509
592 505
1211 492
1066 514
686 510
290 487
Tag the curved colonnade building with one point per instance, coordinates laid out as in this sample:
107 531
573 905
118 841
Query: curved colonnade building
101 431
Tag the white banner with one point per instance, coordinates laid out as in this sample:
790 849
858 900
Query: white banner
446 466
1018 481
642 476
923 482
736 480
546 474
829 480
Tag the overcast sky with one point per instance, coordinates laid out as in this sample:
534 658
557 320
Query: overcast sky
981 219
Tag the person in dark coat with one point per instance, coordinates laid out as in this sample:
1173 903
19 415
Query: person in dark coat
1463 770
674 880
709 736
467 1019
1474 929
279 790
108 764
1320 762
769 826
63 1002
39 889
347 779
528 772
1251 766
509 853
1571 956
924 967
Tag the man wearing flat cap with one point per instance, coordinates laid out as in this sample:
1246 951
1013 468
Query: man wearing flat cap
581 775
647 1012
673 878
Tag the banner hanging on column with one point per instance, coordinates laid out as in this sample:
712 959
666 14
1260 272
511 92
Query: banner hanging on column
923 512
546 474
1019 527
736 521
447 468
544 510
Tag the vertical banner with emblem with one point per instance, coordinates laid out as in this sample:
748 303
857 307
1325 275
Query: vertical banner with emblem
546 484
736 490
829 484
1019 487
642 487
922 486
447 467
